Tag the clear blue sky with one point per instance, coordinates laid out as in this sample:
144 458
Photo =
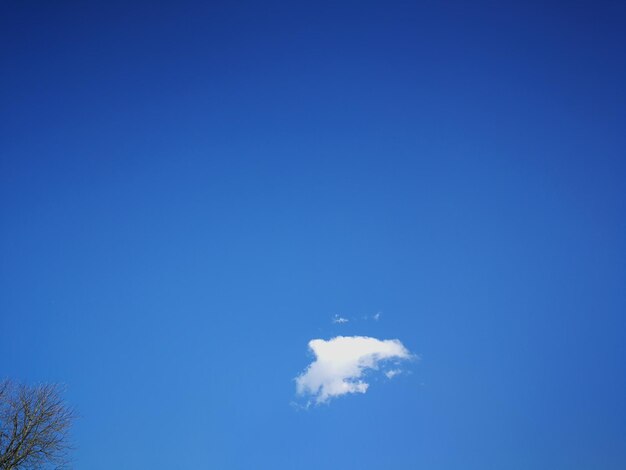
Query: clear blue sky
191 191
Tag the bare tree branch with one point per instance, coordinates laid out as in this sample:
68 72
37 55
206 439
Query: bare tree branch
34 426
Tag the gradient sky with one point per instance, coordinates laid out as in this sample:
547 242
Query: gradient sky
190 192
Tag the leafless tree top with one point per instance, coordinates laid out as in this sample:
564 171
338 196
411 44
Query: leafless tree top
34 425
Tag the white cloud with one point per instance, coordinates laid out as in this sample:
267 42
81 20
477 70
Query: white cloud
341 362
392 373
338 319
376 316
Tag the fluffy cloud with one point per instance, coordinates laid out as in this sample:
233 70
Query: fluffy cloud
340 364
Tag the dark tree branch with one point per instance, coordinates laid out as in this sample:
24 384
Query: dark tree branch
34 425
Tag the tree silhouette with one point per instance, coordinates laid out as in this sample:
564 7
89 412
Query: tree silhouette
34 425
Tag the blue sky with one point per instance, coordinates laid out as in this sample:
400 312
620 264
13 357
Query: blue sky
191 192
